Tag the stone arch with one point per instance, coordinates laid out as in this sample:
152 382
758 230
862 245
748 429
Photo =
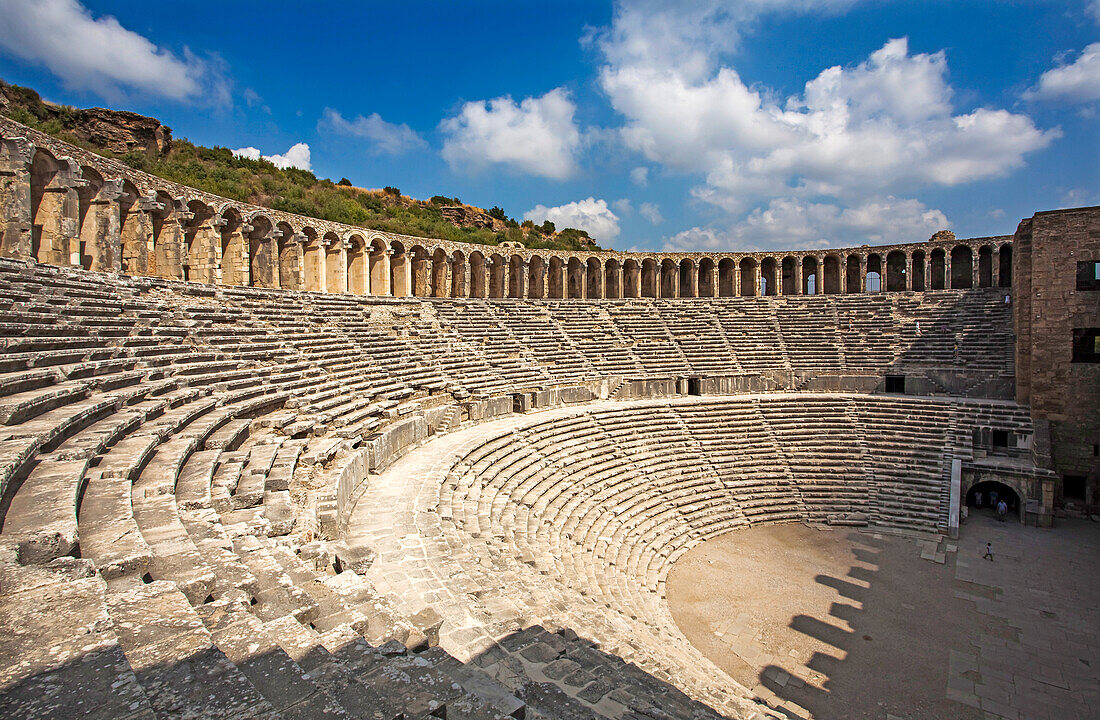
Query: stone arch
164 261
261 252
575 283
458 274
632 278
612 278
1013 492
874 273
830 275
516 273
399 270
477 274
200 238
669 273
985 266
918 280
938 270
334 280
418 272
496 276
594 275
748 277
55 209
98 222
687 278
811 276
289 247
895 271
962 267
706 277
853 280
358 277
769 276
789 266
137 235
727 281
378 265
1004 260
440 265
649 278
555 285
536 277
234 250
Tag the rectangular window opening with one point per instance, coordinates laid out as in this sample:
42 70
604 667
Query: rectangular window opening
1073 487
1086 345
999 438
895 384
1088 275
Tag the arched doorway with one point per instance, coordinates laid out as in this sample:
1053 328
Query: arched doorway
982 497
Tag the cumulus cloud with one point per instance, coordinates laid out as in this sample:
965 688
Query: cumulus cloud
537 136
1094 10
99 54
651 212
385 138
885 124
792 223
640 176
623 206
592 215
1078 81
296 157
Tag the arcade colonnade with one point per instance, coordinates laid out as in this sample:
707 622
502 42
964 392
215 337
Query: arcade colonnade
91 212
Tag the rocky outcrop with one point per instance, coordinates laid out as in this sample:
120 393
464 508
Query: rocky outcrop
118 131
466 216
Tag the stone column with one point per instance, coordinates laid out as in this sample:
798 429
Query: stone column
908 271
300 241
276 259
15 198
101 233
171 245
975 264
995 266
863 274
58 216
524 281
798 276
947 270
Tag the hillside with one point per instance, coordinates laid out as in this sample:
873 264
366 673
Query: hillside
145 144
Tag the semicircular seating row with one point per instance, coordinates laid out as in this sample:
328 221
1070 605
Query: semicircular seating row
575 521
150 433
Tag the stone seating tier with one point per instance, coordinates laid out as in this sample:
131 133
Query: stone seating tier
164 447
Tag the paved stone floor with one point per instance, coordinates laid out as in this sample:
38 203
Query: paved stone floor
837 624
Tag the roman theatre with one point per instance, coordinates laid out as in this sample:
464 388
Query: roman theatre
258 465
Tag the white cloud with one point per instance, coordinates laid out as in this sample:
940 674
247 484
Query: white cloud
1079 81
592 215
886 124
789 223
640 176
296 157
651 212
1093 9
385 138
100 55
538 136
622 206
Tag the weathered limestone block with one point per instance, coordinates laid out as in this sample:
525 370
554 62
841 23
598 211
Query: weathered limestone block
15 198
386 446
101 232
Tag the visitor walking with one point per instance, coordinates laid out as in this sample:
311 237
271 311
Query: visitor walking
1002 510
978 499
988 552
993 499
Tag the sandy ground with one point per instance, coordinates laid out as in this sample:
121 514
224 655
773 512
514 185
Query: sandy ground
839 624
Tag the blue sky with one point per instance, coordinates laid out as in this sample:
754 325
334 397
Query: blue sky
759 124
